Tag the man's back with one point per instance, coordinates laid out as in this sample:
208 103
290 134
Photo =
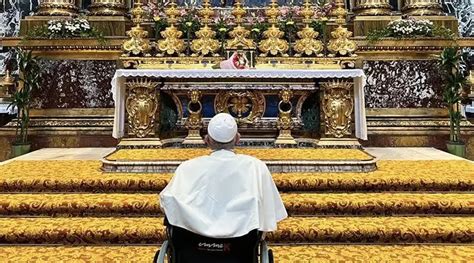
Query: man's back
223 195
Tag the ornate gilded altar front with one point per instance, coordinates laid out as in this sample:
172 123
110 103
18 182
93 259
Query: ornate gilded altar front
266 103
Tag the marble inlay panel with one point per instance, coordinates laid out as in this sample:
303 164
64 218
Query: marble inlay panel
75 84
403 84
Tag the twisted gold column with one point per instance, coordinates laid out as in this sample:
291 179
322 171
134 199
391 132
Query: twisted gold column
108 8
372 7
57 8
422 8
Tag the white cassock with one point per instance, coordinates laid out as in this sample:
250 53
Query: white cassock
223 195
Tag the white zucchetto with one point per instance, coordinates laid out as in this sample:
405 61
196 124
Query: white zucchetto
222 128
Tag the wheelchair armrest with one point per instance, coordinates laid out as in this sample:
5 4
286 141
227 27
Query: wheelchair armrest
163 250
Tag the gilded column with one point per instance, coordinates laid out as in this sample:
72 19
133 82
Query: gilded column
108 8
142 107
337 107
422 8
57 8
372 7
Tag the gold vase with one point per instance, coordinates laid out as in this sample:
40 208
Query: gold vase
422 8
57 8
372 7
108 8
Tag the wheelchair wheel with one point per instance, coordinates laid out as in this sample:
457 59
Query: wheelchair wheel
270 256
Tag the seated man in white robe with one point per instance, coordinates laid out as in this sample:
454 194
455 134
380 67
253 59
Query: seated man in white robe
224 194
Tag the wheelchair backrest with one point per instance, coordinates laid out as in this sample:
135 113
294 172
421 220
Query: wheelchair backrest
187 246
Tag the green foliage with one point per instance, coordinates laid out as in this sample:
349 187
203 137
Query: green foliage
257 31
160 25
29 80
450 62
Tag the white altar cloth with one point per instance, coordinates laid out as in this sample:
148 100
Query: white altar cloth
118 86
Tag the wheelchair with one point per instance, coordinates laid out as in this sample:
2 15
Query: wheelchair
183 246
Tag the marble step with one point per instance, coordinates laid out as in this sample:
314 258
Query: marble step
278 160
86 176
119 204
150 230
282 253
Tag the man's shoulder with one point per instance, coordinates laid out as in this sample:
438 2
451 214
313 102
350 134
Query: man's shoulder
194 160
250 158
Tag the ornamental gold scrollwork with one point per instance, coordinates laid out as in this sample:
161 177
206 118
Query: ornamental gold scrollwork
337 106
308 44
138 44
340 44
245 106
205 43
273 43
372 7
141 105
108 8
285 122
239 35
422 8
171 43
194 121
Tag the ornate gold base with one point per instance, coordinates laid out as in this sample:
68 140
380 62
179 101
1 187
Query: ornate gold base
285 137
181 62
429 9
194 137
107 9
140 143
47 9
373 10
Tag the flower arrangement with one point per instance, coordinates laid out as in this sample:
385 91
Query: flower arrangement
410 28
223 23
258 24
67 28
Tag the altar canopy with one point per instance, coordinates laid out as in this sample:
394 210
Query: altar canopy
358 76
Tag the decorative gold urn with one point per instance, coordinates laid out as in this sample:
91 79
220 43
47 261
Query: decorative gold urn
307 43
337 106
372 8
7 85
422 8
57 8
273 44
108 8
171 44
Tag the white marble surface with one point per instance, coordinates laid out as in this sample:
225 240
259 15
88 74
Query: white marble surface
382 153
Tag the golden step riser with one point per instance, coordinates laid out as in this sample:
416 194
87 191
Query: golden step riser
156 236
305 184
75 209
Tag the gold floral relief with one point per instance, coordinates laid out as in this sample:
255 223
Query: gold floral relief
150 230
120 204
